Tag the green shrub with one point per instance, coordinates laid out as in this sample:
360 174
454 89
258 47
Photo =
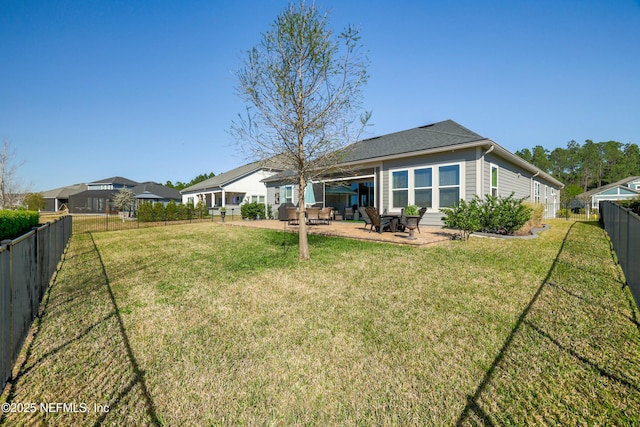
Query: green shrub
412 210
145 212
158 211
464 217
201 210
171 211
182 212
16 223
501 215
253 210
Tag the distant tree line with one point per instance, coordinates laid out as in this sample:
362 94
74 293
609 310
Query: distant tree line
584 167
182 185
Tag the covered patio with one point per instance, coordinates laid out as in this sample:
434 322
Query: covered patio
356 230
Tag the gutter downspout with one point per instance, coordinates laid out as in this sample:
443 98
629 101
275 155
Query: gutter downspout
531 196
489 150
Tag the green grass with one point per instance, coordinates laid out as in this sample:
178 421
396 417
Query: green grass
207 325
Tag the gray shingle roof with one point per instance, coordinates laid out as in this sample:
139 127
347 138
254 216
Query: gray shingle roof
115 180
64 192
155 189
442 134
225 178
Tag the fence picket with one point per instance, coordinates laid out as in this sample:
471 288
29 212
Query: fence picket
623 228
27 265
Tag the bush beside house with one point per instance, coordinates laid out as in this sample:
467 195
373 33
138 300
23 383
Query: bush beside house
499 215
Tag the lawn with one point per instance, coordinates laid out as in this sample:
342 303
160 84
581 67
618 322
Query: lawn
204 324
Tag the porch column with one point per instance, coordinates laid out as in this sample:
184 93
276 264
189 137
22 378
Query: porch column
223 198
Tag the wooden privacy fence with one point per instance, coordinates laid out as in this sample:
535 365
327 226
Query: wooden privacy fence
623 228
27 265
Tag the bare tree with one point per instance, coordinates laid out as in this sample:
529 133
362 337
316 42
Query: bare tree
11 189
303 85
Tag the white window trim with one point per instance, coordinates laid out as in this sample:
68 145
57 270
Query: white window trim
536 192
435 183
497 187
287 187
407 189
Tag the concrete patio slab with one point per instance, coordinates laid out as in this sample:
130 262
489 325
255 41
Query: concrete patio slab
356 230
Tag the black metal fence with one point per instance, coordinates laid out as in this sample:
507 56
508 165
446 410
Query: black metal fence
623 228
27 265
101 222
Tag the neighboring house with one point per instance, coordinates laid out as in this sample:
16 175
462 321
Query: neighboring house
433 166
98 197
624 189
154 192
59 198
232 188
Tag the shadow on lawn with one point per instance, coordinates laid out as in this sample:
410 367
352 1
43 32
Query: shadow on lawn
559 355
80 354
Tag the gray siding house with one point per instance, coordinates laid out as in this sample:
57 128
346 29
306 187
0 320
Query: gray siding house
432 166
625 189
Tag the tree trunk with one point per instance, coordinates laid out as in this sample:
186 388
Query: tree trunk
303 243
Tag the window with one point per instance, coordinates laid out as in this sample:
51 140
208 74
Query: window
400 188
422 183
257 199
494 180
536 192
287 194
431 187
449 185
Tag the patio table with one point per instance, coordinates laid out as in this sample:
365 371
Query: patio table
395 220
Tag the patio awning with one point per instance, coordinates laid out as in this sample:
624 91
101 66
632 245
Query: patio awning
340 190
147 196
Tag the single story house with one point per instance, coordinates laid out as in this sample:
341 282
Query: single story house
98 197
232 188
155 193
624 189
433 166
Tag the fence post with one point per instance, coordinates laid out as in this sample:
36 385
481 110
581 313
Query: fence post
9 350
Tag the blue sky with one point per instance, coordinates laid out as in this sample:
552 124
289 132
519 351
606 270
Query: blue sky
146 89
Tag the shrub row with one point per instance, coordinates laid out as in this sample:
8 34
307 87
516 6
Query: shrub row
16 223
501 215
150 212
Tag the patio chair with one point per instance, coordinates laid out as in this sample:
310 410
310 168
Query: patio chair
376 221
325 215
421 212
402 222
292 215
364 216
348 213
313 215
